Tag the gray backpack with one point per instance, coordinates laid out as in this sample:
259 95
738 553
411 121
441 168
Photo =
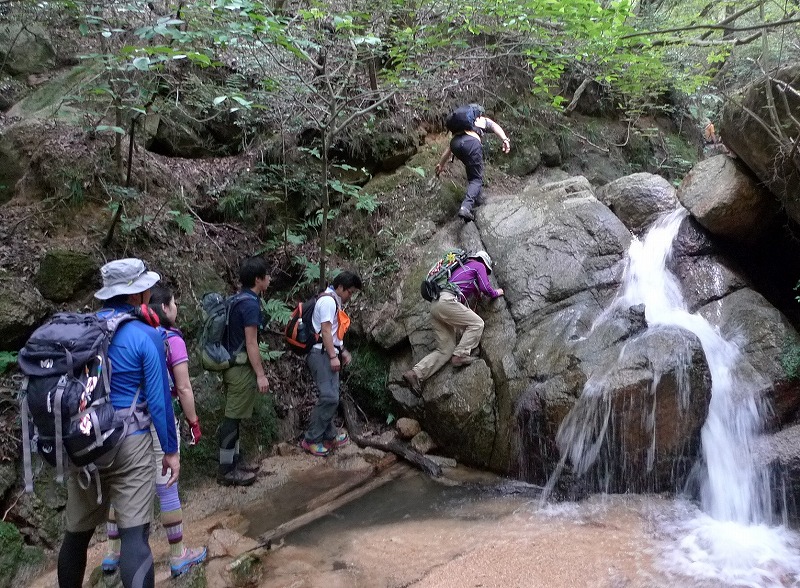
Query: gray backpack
214 354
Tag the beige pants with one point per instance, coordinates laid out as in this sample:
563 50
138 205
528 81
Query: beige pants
448 316
128 483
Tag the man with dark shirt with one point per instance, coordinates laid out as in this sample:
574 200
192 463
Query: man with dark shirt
128 481
467 147
246 378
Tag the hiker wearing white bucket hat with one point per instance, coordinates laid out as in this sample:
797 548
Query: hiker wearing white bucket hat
138 379
125 276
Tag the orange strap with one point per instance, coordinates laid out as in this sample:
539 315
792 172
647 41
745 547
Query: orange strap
344 323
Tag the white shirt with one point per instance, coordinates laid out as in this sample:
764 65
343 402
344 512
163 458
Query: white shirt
325 311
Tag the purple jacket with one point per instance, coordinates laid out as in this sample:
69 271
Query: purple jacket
473 280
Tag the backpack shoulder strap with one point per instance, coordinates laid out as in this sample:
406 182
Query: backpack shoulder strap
230 303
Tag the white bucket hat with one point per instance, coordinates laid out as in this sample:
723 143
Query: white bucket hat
484 257
125 276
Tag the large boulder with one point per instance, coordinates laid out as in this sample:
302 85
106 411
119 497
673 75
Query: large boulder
747 129
780 453
724 198
554 248
762 334
25 48
63 273
638 199
22 308
636 425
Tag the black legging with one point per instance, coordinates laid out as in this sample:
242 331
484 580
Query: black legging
135 560
469 151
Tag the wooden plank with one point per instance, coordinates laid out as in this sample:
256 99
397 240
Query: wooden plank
390 474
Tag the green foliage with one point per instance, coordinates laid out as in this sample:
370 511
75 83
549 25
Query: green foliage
268 354
183 220
790 359
277 310
14 554
8 359
367 376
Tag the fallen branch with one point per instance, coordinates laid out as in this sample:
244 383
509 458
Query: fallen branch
349 485
394 446
266 539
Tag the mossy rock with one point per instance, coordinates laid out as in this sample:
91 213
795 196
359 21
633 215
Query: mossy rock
551 154
15 555
26 49
22 308
8 477
48 101
43 510
64 273
525 158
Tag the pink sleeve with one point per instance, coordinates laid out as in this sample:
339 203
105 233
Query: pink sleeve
177 351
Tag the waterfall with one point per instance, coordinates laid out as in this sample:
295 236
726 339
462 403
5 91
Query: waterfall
733 488
731 539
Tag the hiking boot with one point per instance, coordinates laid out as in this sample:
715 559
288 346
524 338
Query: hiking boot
340 440
189 557
465 214
317 449
462 360
110 562
246 466
412 379
236 477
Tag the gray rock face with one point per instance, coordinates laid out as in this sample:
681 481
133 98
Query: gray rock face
22 308
763 333
726 200
560 255
639 199
767 154
644 400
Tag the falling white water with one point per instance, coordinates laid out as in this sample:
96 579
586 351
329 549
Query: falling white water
731 540
733 489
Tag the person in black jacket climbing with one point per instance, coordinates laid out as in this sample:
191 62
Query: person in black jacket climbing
468 124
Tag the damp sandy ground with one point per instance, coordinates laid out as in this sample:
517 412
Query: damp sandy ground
414 532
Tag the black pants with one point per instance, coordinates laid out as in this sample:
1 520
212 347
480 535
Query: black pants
469 151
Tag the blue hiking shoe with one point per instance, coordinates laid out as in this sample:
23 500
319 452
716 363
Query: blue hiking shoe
110 562
189 558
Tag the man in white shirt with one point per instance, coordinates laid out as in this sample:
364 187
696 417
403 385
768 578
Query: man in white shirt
325 360
468 125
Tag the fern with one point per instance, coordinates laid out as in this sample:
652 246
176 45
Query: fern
277 310
183 220
268 354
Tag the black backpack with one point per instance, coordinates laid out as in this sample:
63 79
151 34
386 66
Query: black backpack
463 118
438 277
65 394
299 334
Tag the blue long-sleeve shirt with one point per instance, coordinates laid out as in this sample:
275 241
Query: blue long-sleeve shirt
138 359
473 280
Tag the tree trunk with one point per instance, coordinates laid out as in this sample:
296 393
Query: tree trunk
326 206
